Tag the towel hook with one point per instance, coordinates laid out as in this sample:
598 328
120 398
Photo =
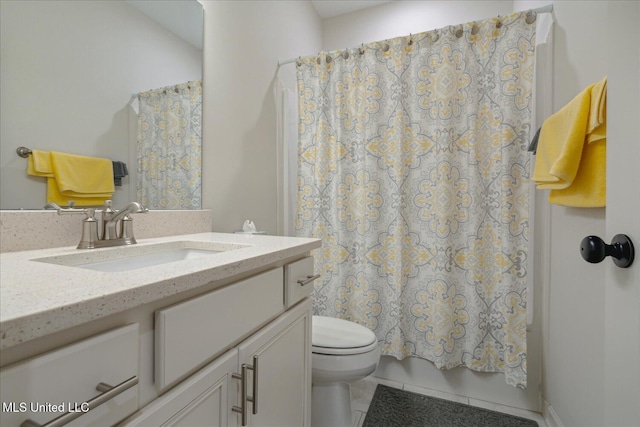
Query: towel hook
23 152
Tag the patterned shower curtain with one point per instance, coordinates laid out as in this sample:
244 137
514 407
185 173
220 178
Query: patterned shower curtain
169 147
414 172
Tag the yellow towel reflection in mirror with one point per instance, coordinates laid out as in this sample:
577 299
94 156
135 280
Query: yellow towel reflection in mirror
86 181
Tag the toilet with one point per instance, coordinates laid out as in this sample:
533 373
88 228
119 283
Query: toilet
342 352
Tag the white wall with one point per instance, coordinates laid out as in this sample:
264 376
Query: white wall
574 345
622 297
68 72
243 42
400 18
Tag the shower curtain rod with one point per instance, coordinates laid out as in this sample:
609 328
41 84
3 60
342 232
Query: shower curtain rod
544 9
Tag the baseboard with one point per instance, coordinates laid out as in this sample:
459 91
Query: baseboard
460 381
550 416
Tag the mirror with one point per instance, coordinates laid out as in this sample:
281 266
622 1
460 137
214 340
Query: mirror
70 73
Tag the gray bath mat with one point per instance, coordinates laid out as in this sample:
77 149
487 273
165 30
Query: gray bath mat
391 407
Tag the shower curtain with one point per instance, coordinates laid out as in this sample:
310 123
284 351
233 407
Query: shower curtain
169 147
413 171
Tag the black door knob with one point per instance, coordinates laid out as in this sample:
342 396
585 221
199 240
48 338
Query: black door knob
593 249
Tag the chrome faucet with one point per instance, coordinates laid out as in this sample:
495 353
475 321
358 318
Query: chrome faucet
110 219
117 226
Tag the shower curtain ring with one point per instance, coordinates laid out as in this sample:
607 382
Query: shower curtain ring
531 17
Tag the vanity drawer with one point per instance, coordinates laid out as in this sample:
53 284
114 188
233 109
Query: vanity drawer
66 380
190 333
298 279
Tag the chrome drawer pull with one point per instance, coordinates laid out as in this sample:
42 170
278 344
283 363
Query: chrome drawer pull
108 394
242 409
254 400
308 280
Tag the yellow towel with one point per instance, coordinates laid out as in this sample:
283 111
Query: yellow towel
39 163
597 124
83 176
55 196
571 157
87 181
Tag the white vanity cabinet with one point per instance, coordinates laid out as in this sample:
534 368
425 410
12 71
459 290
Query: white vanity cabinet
94 380
263 378
276 380
158 346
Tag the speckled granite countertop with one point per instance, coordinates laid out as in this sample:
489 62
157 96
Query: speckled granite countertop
39 298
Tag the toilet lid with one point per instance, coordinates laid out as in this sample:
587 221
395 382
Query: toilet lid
332 333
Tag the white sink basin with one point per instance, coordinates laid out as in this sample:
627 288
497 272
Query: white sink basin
126 258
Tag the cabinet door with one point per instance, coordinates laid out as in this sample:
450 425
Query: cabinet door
281 356
204 399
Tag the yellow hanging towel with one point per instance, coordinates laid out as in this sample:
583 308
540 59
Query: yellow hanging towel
39 164
87 181
83 176
571 156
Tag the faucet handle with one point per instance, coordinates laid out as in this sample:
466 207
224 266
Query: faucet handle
89 212
89 226
127 224
127 229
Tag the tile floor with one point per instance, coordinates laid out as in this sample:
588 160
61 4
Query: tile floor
362 393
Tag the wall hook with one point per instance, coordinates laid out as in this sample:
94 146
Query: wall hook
593 249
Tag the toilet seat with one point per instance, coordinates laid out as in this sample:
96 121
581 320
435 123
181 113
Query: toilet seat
339 337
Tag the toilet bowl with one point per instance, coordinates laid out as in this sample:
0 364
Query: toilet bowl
342 352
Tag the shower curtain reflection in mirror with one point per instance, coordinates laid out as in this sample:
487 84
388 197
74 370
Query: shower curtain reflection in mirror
169 147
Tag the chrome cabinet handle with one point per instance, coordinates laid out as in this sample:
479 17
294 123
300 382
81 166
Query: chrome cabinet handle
255 385
308 280
244 398
109 393
242 409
